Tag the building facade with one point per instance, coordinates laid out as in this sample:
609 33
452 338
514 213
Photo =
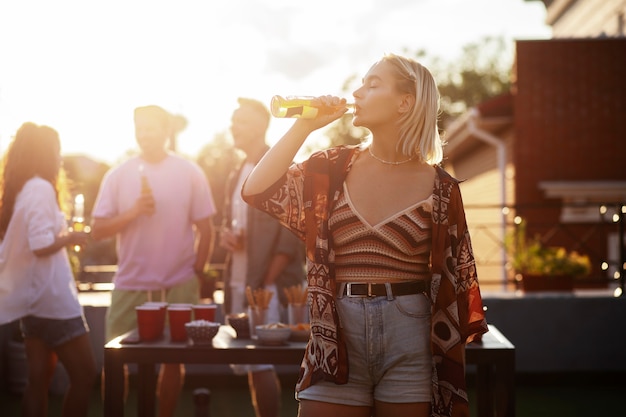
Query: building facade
552 150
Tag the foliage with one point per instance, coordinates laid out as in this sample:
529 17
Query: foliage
530 256
84 176
342 132
217 159
482 72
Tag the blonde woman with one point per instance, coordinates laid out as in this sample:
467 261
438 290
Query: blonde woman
393 289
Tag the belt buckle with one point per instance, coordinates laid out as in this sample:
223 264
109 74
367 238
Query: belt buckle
349 290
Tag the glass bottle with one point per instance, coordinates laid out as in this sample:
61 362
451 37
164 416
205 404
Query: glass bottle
78 219
305 107
202 402
145 184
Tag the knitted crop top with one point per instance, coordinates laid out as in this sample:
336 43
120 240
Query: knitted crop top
397 249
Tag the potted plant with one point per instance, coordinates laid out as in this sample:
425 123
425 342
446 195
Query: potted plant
545 268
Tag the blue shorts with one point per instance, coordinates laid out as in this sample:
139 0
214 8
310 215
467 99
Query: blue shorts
389 353
53 332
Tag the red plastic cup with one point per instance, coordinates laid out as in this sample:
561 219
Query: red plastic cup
178 316
204 312
150 322
160 304
162 309
183 305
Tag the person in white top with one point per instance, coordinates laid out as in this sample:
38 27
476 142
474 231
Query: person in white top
36 282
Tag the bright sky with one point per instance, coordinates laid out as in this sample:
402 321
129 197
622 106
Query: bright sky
82 66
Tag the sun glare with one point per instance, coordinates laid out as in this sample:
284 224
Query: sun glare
85 68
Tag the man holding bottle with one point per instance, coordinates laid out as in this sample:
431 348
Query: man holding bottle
262 253
159 206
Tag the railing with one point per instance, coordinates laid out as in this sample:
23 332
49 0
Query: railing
490 225
601 238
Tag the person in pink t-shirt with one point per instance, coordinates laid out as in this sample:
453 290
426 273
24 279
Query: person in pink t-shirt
159 206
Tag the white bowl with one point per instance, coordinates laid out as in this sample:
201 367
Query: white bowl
273 334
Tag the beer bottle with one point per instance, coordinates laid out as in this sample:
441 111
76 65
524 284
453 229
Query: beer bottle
305 107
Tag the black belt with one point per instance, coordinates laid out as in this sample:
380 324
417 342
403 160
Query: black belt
352 289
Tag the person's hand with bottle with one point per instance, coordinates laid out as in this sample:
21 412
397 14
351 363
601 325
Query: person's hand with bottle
330 108
277 160
145 204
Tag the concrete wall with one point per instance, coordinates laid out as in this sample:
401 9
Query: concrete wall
562 332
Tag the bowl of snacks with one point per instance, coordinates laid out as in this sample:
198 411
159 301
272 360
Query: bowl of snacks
273 333
300 332
202 332
241 323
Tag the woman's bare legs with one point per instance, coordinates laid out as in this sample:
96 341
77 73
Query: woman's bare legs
169 386
78 359
310 408
265 391
383 409
41 364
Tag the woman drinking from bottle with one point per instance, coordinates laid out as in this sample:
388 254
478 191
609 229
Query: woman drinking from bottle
393 290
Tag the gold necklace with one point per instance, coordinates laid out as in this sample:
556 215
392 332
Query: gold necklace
369 148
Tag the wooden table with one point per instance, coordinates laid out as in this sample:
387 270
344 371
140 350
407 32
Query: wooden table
494 357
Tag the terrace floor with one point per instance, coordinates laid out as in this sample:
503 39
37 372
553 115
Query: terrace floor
537 395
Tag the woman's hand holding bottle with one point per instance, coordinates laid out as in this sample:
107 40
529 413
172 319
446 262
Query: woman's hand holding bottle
307 107
280 156
76 238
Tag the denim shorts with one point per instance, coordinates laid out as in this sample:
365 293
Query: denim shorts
389 353
53 332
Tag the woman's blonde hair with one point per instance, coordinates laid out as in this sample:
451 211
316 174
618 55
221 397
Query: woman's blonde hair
419 134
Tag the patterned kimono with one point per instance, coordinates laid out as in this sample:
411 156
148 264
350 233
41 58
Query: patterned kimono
302 200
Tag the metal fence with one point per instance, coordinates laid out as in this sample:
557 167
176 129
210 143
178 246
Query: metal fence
601 238
490 227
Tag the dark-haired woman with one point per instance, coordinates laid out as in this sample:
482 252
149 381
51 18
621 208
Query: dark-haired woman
36 282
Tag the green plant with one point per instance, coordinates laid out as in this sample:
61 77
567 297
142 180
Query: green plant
530 256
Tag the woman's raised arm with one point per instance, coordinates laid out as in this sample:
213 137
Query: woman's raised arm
278 159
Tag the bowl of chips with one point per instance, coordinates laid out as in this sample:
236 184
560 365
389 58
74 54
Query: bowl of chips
202 332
